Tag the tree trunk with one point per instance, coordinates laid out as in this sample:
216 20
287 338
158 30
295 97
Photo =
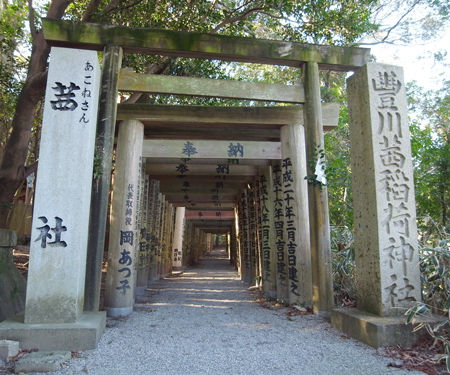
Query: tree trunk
12 167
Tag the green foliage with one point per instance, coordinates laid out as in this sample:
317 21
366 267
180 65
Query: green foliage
339 22
430 145
12 65
435 265
343 264
317 161
337 147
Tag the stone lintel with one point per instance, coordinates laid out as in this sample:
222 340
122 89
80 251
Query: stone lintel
83 334
206 87
375 330
194 44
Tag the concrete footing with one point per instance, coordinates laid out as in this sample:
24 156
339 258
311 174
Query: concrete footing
42 361
81 335
8 349
376 330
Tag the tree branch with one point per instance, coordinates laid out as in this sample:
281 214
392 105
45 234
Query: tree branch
29 169
57 8
393 27
31 19
400 20
239 17
152 69
111 8
91 8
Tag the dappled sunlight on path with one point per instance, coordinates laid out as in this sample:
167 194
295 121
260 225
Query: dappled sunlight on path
205 321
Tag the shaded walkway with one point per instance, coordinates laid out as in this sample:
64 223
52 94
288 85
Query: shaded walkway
205 322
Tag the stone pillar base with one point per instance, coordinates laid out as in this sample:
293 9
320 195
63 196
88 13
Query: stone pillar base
270 294
377 330
84 334
116 312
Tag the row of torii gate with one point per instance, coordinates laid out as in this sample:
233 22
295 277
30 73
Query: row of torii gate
234 170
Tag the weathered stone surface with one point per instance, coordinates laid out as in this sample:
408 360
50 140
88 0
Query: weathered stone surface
194 44
144 237
122 253
104 145
42 361
319 220
386 254
55 290
12 283
177 248
296 219
268 252
83 334
8 348
375 330
278 218
164 84
208 149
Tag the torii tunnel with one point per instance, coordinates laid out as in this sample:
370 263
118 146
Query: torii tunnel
184 175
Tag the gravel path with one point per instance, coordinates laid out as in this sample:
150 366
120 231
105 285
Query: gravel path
206 322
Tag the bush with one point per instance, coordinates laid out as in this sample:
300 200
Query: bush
343 265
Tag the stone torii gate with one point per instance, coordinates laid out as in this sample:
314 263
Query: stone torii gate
247 165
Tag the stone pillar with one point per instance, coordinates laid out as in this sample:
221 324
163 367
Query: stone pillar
237 232
187 253
178 237
252 232
159 244
12 283
258 237
296 220
245 243
278 221
153 266
386 249
317 194
184 257
197 246
104 145
140 226
160 248
168 236
56 275
122 254
208 242
267 233
144 239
